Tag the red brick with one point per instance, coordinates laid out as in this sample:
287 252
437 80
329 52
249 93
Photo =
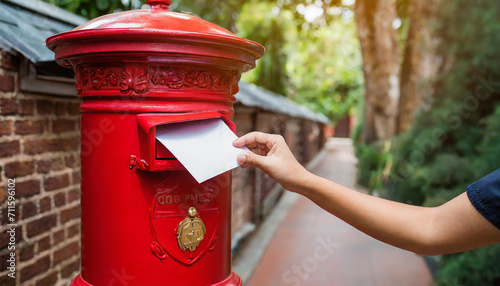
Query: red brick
6 280
26 107
5 237
57 164
66 252
73 230
3 195
55 144
69 269
19 168
5 127
41 225
58 237
7 82
63 125
71 161
48 280
45 107
9 148
28 209
61 108
44 243
35 146
29 127
4 219
8 106
62 144
47 123
74 108
9 61
73 195
45 204
69 214
27 188
60 199
27 252
40 265
3 261
56 182
71 144
76 177
43 166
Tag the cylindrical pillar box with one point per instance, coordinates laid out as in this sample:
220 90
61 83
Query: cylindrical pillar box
145 220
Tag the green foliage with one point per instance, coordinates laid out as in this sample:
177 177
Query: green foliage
318 65
91 9
489 148
224 13
476 267
326 69
373 168
457 141
273 29
299 61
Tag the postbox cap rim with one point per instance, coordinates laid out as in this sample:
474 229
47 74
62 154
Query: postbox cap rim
150 35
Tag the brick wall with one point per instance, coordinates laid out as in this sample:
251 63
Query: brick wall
39 146
243 180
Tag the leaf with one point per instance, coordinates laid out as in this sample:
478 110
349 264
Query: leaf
102 4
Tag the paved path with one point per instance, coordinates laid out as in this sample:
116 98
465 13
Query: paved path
312 247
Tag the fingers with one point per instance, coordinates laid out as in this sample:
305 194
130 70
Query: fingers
261 145
253 139
249 159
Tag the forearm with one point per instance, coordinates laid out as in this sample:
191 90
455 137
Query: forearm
400 225
453 227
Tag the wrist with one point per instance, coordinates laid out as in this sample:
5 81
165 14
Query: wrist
302 183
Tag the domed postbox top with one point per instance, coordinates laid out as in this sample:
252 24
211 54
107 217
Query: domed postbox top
153 30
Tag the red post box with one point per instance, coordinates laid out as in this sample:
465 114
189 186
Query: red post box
145 220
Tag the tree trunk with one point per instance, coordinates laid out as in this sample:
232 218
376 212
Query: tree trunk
381 66
420 63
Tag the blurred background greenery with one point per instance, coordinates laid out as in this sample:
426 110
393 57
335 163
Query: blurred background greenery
422 77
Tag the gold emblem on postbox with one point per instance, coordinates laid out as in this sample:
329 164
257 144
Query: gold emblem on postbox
191 231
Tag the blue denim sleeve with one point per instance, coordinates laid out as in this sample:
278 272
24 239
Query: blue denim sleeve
484 195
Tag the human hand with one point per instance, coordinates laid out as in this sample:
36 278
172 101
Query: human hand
271 154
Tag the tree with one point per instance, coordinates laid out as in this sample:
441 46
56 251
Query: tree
420 63
456 140
224 13
381 66
258 22
325 68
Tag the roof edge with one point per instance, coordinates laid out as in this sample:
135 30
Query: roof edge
288 106
49 10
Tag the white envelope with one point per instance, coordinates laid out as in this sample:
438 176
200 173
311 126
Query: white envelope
204 147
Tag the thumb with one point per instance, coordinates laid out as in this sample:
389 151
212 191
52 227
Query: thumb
250 159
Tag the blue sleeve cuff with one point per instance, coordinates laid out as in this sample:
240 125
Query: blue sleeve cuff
484 195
